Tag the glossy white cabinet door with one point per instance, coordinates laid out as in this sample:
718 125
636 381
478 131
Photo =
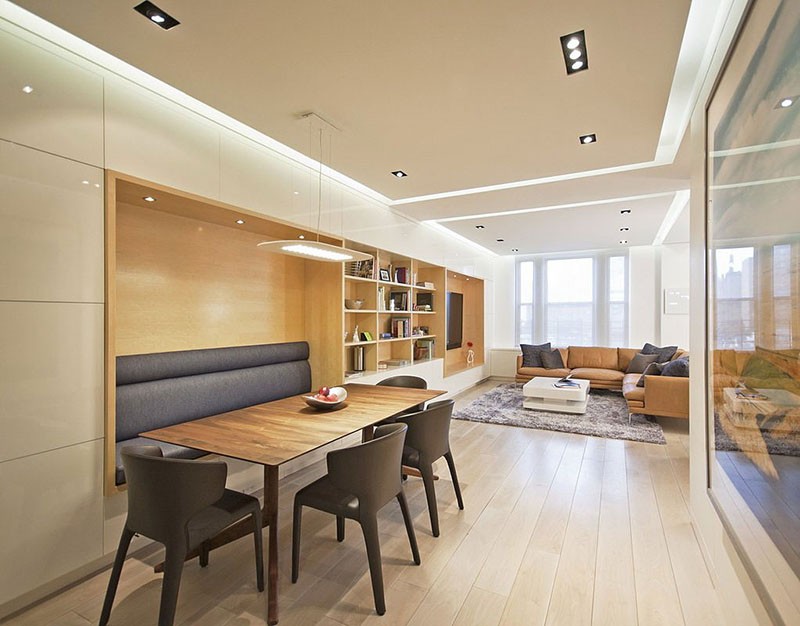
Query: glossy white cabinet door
152 138
62 114
51 376
51 240
51 516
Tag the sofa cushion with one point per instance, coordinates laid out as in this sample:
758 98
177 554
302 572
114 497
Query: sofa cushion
630 390
624 356
541 371
598 374
640 362
654 369
530 354
678 367
596 357
552 360
664 354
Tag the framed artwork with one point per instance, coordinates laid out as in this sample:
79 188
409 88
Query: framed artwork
384 275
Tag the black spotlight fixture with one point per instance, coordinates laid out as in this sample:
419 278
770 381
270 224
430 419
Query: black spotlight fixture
587 139
480 227
574 48
625 212
500 240
399 174
156 15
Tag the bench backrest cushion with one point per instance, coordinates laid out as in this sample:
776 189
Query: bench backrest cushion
157 390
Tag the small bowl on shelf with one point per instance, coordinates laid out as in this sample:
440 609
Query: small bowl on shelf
318 402
353 305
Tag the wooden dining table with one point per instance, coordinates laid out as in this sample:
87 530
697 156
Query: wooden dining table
273 433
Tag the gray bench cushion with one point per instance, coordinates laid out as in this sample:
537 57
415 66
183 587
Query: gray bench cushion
158 390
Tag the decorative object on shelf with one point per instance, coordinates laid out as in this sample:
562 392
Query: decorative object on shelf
345 336
391 304
358 359
470 354
360 269
315 249
425 285
366 336
386 335
384 275
353 304
356 336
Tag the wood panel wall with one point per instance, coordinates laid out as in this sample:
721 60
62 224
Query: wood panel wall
472 288
183 284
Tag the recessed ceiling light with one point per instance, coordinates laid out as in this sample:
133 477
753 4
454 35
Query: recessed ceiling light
573 47
500 240
624 229
399 174
156 15
480 227
301 237
27 89
514 249
623 241
297 193
625 212
97 185
149 199
785 103
240 221
585 139
84 182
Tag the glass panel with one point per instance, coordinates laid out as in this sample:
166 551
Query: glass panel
753 285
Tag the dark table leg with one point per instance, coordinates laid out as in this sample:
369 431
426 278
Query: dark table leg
271 519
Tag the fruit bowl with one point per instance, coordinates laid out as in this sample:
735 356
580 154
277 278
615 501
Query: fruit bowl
353 304
318 403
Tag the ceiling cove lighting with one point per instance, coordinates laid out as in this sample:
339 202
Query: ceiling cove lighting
573 46
156 15
587 139
399 174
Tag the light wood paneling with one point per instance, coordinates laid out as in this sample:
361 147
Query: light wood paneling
184 283
472 329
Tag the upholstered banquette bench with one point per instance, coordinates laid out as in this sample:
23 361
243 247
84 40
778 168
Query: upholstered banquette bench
162 389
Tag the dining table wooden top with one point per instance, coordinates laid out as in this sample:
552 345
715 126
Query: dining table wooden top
279 431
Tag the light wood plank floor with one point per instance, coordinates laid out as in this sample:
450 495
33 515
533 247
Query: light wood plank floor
558 529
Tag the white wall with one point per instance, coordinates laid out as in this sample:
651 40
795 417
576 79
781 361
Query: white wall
55 524
674 275
644 296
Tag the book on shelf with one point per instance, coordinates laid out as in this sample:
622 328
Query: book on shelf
425 285
401 327
401 275
424 349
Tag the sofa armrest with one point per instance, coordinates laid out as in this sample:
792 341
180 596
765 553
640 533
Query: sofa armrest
667 394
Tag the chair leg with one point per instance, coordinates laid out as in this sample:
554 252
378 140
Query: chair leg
116 570
204 554
339 528
430 494
412 537
298 516
369 527
451 464
258 539
173 569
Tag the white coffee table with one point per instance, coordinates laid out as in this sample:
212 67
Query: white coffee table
539 393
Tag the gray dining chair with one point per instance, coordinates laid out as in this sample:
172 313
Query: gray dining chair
180 503
409 382
360 481
427 440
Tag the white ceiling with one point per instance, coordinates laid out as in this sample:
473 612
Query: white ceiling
458 94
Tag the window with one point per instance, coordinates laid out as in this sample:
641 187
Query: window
735 310
579 300
782 296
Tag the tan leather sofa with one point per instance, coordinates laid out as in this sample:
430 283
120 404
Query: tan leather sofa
604 368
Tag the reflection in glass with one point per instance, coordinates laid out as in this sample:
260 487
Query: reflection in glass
754 274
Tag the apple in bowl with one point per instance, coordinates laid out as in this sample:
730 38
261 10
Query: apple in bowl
327 397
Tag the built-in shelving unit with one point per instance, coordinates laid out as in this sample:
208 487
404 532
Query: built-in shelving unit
401 320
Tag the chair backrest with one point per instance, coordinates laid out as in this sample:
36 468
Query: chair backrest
429 430
164 494
414 382
370 470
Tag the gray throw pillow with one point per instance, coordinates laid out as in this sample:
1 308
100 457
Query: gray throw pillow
678 367
530 354
664 354
552 360
654 369
640 362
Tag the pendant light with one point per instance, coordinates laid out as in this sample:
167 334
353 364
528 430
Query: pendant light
315 250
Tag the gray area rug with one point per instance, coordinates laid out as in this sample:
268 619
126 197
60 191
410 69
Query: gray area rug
606 416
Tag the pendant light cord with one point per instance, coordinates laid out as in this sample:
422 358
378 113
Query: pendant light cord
319 187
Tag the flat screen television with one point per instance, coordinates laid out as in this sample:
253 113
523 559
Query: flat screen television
455 319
